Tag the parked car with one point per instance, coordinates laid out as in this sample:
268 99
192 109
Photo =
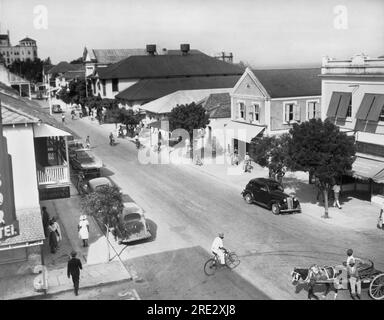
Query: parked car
270 194
75 144
56 108
132 224
84 160
97 183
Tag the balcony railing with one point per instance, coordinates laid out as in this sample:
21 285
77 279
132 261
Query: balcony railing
53 175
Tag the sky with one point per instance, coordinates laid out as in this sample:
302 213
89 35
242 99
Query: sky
273 33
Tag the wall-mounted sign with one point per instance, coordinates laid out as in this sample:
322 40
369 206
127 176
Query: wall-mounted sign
9 226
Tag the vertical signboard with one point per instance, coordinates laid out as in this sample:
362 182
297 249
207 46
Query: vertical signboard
9 226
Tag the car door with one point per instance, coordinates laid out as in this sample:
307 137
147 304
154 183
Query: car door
262 193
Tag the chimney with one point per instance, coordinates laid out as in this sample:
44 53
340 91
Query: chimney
184 48
151 49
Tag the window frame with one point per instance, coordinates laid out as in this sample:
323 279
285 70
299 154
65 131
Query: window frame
254 113
294 104
239 104
316 101
115 85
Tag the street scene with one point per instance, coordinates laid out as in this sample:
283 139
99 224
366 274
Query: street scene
201 169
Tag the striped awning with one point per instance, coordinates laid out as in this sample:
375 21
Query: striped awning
364 168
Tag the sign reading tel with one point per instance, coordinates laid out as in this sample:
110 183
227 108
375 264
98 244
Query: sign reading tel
9 226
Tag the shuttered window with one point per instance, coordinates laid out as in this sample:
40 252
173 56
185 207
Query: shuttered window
291 112
313 110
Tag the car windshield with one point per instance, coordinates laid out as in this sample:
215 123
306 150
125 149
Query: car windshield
101 186
275 187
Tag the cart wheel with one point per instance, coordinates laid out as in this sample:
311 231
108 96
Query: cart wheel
376 288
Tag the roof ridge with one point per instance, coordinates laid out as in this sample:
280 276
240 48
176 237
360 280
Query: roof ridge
15 110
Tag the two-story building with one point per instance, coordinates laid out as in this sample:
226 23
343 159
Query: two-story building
26 49
353 98
141 79
270 101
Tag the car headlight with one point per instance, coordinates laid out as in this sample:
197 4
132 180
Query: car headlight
294 199
285 200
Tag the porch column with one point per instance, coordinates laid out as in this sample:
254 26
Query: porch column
67 155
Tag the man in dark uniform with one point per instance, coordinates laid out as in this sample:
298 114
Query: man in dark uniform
73 269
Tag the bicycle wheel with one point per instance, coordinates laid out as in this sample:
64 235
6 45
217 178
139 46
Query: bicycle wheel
232 260
210 267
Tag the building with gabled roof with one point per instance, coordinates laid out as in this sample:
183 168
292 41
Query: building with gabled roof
39 170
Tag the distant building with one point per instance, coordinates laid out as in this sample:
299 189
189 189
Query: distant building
353 99
18 83
26 49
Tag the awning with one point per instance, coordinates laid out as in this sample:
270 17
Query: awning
370 107
364 168
338 106
158 124
244 131
45 130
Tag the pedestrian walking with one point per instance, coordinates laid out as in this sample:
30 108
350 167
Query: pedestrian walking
336 191
63 117
354 279
380 220
73 270
83 229
88 143
45 217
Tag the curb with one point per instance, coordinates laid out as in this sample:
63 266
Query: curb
90 286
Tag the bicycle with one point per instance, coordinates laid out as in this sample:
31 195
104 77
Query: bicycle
231 262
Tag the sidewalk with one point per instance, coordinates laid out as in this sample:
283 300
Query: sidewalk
96 268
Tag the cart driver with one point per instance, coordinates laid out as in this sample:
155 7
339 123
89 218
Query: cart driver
218 248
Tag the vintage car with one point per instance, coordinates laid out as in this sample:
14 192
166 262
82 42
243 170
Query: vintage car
270 194
56 108
132 224
96 183
84 160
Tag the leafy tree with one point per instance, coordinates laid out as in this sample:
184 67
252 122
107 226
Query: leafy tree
77 61
322 150
75 92
31 70
188 117
271 152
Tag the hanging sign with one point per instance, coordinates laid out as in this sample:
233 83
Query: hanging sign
9 226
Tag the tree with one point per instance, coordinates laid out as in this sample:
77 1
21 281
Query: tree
77 61
105 204
322 150
75 92
31 70
188 117
271 152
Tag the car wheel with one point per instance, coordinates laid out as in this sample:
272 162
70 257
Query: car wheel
248 198
275 209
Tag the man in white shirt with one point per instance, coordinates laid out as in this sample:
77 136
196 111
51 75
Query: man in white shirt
218 248
350 256
336 190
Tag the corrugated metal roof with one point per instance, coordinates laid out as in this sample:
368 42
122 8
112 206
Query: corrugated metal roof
150 89
64 66
281 83
109 56
218 105
162 66
167 103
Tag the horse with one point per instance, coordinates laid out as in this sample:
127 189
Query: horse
317 275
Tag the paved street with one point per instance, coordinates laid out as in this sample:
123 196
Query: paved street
190 208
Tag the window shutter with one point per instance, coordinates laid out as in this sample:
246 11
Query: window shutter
237 108
318 110
311 107
245 111
286 112
296 112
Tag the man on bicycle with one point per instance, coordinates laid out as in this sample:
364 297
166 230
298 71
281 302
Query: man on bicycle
218 249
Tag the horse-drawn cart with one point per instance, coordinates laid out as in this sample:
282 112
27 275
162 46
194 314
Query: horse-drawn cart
337 276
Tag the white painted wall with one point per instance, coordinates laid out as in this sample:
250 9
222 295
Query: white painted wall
21 148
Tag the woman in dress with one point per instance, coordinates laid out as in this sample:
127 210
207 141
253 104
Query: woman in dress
83 228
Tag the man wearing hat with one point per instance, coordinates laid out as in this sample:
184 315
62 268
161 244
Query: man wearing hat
218 248
73 269
354 279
